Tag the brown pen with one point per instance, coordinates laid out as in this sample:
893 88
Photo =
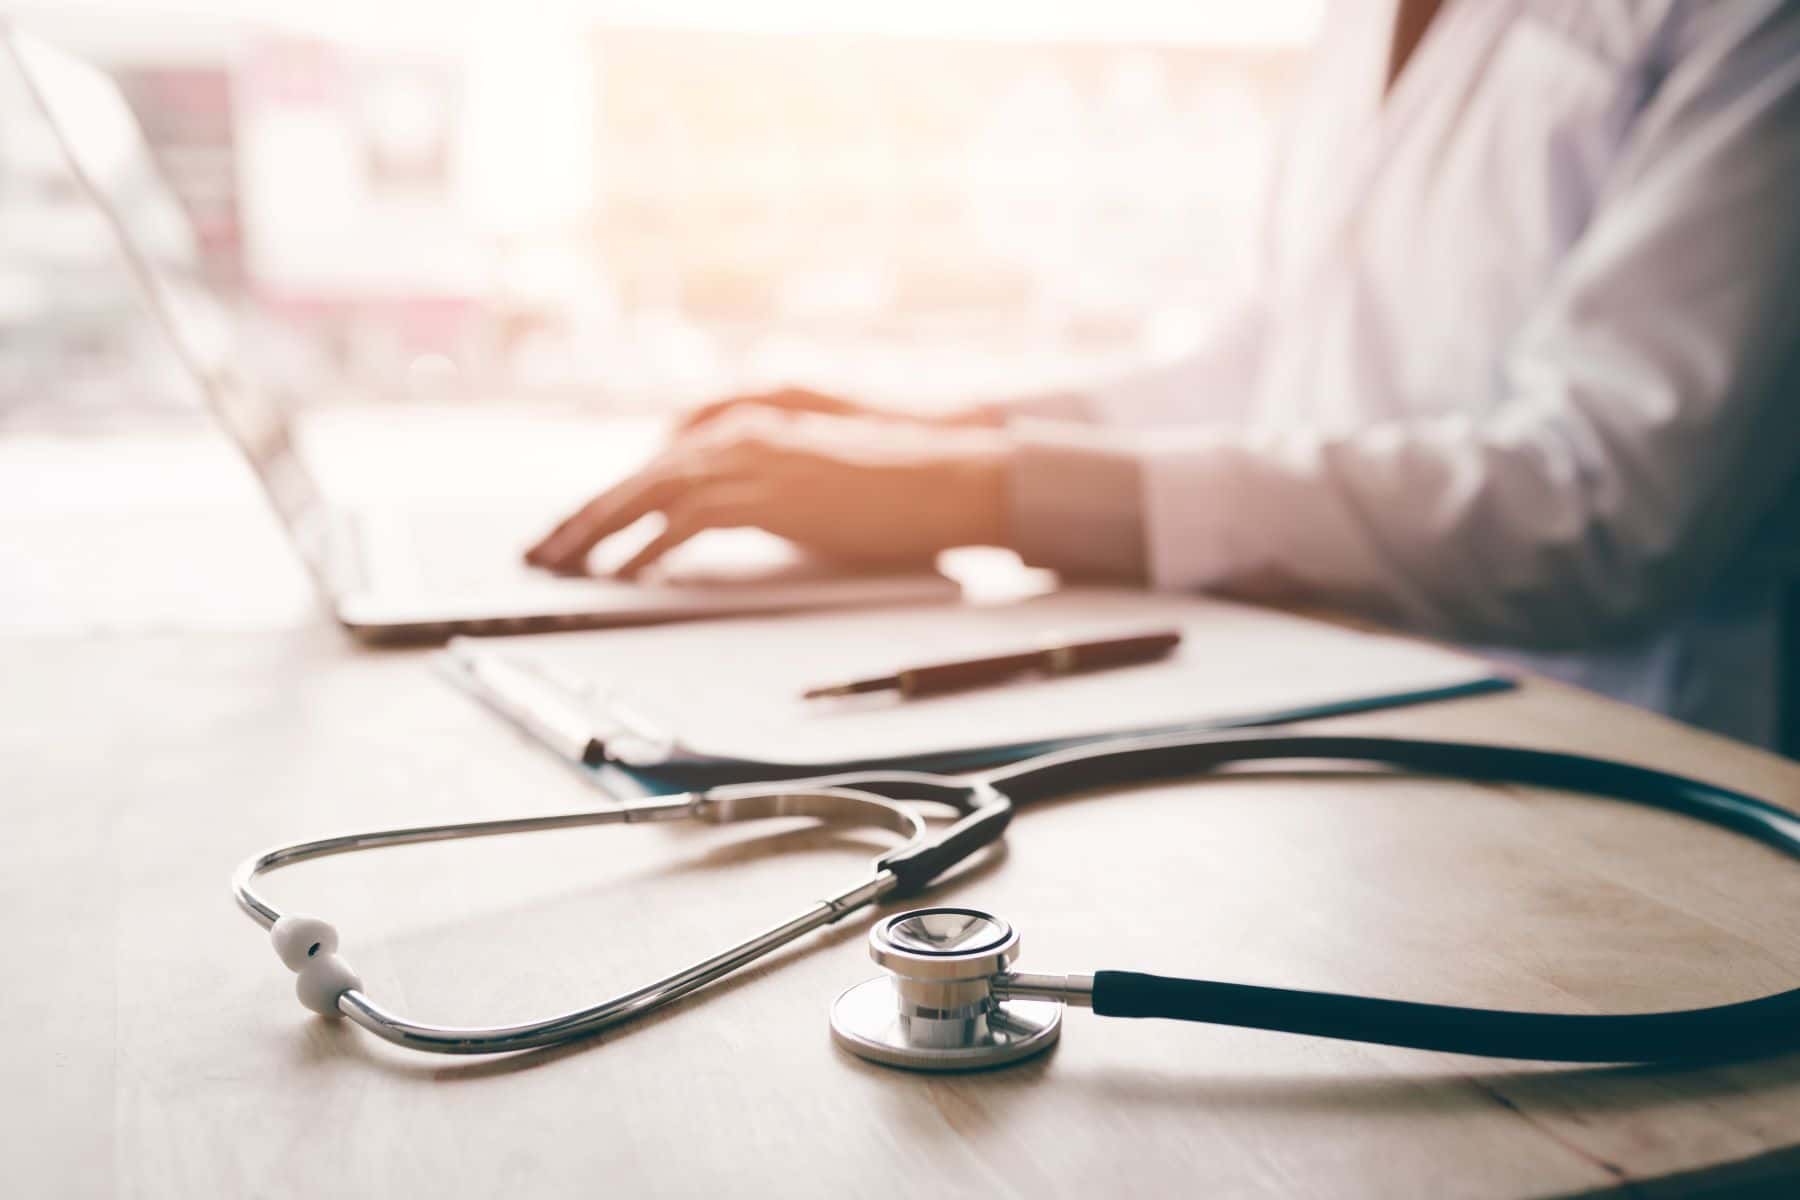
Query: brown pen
1062 659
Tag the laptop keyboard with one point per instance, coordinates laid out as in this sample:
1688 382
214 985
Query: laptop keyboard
440 552
450 552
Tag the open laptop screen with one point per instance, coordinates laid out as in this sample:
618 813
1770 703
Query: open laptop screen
73 111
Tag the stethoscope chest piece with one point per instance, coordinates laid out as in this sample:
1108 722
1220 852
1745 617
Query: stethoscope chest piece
937 1010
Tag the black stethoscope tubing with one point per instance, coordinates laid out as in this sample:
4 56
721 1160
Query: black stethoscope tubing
1727 1030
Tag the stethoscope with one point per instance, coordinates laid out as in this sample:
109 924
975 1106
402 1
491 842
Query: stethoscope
950 999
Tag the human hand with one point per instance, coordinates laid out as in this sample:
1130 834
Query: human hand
867 492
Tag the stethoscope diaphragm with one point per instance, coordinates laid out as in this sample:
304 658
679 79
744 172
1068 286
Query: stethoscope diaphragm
937 1009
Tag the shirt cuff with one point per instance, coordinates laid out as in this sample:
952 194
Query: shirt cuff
1076 501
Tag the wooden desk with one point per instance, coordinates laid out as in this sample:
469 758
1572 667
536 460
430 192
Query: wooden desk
154 1046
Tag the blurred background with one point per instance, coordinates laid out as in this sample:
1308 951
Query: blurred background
630 206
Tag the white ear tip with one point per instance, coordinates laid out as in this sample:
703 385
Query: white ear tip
324 978
299 940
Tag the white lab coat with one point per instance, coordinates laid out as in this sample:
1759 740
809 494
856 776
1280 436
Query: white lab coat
1521 365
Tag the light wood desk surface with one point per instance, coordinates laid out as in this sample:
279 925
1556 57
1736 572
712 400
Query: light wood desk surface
153 1045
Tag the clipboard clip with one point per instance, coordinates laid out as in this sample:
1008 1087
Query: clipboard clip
575 718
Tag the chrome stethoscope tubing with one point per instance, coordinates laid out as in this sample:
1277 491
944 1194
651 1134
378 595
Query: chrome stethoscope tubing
328 985
983 804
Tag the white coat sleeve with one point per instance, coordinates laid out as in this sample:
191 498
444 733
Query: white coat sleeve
1649 410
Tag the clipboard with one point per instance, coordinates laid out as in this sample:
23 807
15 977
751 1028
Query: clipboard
681 708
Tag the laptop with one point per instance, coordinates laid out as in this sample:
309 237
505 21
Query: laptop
411 571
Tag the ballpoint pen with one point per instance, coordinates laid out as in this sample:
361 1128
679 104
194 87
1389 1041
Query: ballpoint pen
1061 658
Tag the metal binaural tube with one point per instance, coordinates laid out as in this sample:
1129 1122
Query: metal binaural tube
338 991
505 1039
659 808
